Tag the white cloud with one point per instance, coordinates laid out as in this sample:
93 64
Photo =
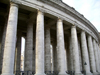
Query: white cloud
89 8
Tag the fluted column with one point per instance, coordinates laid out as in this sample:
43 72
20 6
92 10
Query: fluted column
29 47
39 62
47 50
96 57
75 51
85 55
18 61
61 48
98 53
10 41
91 54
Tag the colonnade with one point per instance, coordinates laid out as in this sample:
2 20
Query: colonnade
89 48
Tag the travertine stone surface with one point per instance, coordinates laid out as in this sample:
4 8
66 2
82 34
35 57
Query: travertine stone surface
75 50
10 41
39 62
2 45
80 58
61 48
29 48
91 54
47 50
85 55
55 56
18 61
96 57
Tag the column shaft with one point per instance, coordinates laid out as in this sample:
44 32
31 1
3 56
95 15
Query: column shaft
75 50
85 52
96 57
18 52
47 50
55 56
60 47
39 62
29 48
10 41
91 54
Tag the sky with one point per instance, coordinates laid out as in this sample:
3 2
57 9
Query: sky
89 8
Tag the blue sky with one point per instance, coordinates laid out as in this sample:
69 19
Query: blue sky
89 8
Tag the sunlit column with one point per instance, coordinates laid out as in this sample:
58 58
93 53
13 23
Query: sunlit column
10 41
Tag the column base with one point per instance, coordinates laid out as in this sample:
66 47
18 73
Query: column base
95 73
7 74
79 74
63 74
40 74
89 73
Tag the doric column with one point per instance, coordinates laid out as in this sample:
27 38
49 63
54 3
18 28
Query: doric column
75 51
47 50
2 45
98 53
80 58
71 54
29 47
55 56
85 56
18 59
39 57
60 48
10 41
96 57
91 54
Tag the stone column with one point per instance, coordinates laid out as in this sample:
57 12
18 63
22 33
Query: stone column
85 56
96 57
10 41
80 58
75 51
39 57
47 50
29 47
61 48
98 53
18 61
91 54
2 45
71 54
55 56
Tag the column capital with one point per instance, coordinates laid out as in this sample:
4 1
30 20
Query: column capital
13 4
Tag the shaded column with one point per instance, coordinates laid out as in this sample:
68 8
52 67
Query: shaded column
55 56
47 50
85 56
75 51
18 61
71 54
91 54
10 41
39 62
29 48
96 57
2 45
60 48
